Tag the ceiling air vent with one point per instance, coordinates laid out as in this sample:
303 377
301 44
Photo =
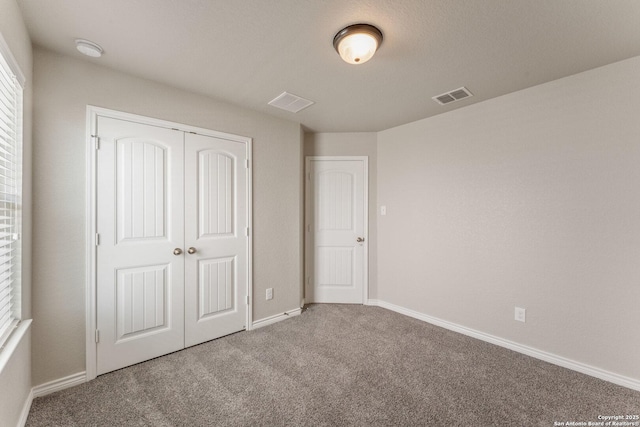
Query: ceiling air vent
290 102
453 96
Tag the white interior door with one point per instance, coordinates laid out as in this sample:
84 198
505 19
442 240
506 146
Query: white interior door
140 282
216 237
172 257
336 245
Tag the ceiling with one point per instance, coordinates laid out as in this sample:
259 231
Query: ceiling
247 52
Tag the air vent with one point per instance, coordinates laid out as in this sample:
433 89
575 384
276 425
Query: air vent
290 102
453 96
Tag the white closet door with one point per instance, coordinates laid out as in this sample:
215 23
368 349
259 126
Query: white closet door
140 220
216 215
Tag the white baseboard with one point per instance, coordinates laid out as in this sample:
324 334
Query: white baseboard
59 384
24 414
529 351
275 319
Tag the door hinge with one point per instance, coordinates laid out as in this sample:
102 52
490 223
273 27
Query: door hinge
97 336
308 280
247 164
247 299
97 239
96 141
247 232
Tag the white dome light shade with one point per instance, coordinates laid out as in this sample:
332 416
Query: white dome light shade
356 44
89 48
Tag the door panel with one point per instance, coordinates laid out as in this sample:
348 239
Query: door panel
336 206
140 282
334 266
141 300
216 180
335 200
216 227
141 172
215 286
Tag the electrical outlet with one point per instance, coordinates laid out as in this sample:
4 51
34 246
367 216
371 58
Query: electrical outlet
383 210
520 314
269 293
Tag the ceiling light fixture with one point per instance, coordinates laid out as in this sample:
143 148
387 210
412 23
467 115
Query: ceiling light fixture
357 43
89 48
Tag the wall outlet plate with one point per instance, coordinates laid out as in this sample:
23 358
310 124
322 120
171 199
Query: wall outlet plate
520 314
269 293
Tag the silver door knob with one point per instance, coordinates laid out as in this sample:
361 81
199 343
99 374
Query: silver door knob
360 239
177 251
192 250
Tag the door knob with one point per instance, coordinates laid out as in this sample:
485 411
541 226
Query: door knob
177 251
360 239
192 250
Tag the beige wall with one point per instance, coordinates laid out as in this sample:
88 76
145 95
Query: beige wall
353 144
63 87
15 384
15 377
528 200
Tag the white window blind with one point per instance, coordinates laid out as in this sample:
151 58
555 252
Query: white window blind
10 195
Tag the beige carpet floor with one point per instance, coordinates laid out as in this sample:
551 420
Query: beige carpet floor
338 365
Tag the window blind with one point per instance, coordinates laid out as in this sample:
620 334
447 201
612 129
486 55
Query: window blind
10 116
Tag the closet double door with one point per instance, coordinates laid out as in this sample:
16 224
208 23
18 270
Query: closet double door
172 255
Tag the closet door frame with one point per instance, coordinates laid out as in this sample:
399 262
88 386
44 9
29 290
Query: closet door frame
92 147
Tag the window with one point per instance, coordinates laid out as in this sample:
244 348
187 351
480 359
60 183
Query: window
11 82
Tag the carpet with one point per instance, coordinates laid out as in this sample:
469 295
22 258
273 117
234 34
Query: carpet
338 365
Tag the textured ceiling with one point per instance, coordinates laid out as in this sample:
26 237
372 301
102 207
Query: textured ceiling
247 52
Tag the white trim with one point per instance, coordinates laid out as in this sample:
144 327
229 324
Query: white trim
365 225
529 351
91 214
24 414
306 272
249 143
12 343
91 249
13 298
11 61
276 318
121 115
59 384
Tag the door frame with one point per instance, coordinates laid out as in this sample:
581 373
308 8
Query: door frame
307 231
91 250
